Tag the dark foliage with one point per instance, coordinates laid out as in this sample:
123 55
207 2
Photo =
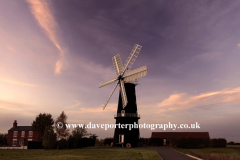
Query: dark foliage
42 122
99 142
231 143
220 142
79 132
85 142
79 143
35 145
72 142
108 141
3 139
49 139
156 142
63 144
191 142
62 132
144 142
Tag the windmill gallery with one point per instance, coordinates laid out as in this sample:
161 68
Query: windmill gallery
127 106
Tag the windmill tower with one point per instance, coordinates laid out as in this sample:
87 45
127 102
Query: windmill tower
127 105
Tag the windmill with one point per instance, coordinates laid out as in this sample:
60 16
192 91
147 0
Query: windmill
127 106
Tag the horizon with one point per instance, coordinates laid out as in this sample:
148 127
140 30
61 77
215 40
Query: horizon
55 54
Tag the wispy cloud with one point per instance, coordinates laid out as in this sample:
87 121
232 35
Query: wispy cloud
42 13
238 46
13 107
95 114
111 107
182 101
171 100
18 83
73 106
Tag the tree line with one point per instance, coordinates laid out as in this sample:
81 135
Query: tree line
50 136
62 137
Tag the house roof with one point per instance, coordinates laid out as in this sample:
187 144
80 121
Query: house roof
21 128
180 135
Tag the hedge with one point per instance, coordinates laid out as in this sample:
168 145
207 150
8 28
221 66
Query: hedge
220 142
191 142
35 145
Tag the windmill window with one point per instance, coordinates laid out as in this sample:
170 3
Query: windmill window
121 138
123 113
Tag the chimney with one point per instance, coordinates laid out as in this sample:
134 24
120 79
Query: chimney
15 123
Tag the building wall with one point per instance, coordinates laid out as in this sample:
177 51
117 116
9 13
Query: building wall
19 137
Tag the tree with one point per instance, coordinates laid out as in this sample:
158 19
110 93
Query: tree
3 139
42 122
62 144
72 142
79 132
49 139
60 126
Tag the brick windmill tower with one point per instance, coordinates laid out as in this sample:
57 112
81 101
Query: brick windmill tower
127 105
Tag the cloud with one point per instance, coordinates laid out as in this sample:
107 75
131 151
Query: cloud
45 19
58 65
181 101
12 106
18 83
75 105
111 107
220 81
94 114
171 100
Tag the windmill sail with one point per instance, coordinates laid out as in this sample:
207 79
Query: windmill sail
110 96
123 94
135 74
108 82
132 57
117 63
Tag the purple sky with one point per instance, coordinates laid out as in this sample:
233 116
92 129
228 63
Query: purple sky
54 55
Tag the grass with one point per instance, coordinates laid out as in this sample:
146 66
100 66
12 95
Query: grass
233 146
89 153
227 153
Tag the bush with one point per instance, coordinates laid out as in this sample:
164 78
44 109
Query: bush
49 139
35 145
99 142
191 142
85 142
3 139
156 142
231 143
63 144
79 143
108 141
144 142
72 142
220 142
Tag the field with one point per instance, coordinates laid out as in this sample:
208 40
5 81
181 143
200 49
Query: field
89 153
231 152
